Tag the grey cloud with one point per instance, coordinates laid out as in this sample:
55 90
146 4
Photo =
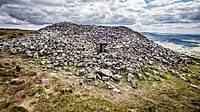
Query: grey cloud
117 12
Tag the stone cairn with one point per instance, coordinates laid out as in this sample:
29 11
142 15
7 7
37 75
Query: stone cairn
98 52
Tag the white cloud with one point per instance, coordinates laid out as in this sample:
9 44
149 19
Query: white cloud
131 13
162 2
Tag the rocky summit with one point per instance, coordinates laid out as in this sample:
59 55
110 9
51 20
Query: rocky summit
98 52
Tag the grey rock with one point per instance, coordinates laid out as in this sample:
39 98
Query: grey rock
134 83
50 66
43 62
91 76
82 72
105 78
96 83
36 55
157 78
117 77
29 53
129 69
109 85
45 80
108 63
13 50
116 90
106 72
130 77
140 76
155 72
81 82
194 86
147 74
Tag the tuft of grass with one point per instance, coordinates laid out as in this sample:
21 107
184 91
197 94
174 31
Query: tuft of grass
32 92
17 108
28 73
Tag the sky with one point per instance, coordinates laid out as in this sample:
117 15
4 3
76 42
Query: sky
166 16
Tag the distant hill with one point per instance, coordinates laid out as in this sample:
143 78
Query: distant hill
184 43
179 39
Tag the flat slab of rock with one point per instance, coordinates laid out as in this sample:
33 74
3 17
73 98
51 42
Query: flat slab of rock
106 72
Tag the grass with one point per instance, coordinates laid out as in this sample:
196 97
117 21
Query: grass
11 33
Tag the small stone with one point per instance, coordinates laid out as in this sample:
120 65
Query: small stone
140 76
65 68
129 69
41 52
16 81
157 78
109 85
194 86
32 47
81 82
96 83
44 80
82 72
106 72
80 65
96 69
150 62
43 62
134 84
116 90
47 97
155 72
147 74
29 53
105 78
117 77
108 64
50 66
36 55
13 50
91 76
130 77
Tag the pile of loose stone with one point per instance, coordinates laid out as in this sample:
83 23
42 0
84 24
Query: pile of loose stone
98 52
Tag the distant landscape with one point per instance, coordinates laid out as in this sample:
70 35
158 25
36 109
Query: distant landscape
183 43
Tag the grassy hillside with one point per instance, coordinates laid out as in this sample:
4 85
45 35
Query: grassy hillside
25 86
11 33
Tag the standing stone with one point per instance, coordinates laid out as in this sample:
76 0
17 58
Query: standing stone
101 47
